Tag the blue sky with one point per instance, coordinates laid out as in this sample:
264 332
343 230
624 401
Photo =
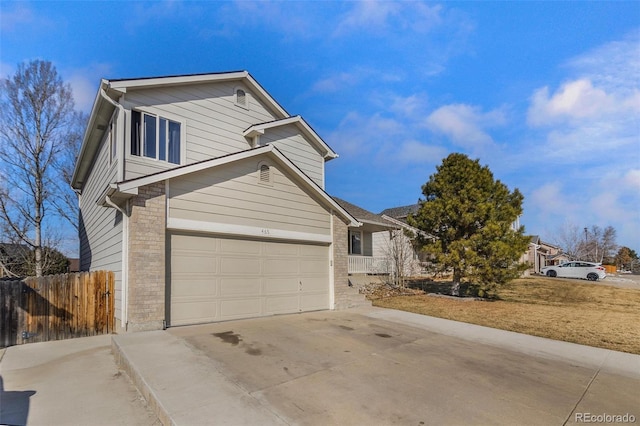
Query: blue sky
547 94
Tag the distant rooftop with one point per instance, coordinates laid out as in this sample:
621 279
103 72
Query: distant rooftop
401 212
361 214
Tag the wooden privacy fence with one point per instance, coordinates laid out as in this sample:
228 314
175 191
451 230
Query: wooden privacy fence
56 307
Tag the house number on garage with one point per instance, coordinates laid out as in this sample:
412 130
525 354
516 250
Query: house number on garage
265 232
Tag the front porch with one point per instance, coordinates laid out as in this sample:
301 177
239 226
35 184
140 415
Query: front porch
371 265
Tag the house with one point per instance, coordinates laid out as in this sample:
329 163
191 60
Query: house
366 248
206 198
540 254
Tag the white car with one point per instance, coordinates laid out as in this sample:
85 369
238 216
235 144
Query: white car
585 270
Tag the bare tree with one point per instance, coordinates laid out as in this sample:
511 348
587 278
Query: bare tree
571 240
36 110
592 244
399 253
600 244
66 201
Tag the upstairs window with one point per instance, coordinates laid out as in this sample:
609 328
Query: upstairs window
155 137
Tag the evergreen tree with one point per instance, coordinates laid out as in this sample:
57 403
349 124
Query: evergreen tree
470 218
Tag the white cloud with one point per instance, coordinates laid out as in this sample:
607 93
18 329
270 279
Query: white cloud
12 19
336 82
413 151
631 180
465 124
549 200
412 105
577 100
591 121
379 16
84 83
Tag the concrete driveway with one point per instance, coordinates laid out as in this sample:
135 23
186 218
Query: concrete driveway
374 366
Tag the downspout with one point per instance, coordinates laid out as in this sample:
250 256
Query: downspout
125 259
122 150
125 216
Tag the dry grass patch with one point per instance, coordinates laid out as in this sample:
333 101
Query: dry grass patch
569 310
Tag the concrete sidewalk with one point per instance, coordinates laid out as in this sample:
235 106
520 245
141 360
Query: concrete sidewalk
68 382
330 367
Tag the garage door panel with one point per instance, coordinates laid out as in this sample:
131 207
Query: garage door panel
312 302
240 266
281 249
215 278
239 246
281 267
240 308
281 285
194 312
195 243
194 262
281 305
314 267
187 287
314 284
234 287
313 250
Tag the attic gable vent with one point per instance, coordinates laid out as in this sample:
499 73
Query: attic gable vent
241 98
265 173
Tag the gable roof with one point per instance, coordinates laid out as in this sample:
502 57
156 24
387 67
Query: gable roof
364 216
129 188
301 124
109 91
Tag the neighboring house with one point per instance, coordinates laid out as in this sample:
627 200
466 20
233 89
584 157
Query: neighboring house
367 253
417 261
206 198
541 254
74 265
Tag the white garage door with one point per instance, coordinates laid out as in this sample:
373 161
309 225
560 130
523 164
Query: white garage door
216 279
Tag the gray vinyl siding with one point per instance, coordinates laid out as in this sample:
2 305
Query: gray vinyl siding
380 243
367 244
231 194
213 122
101 227
297 149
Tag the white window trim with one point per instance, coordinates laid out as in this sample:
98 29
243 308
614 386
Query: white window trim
142 158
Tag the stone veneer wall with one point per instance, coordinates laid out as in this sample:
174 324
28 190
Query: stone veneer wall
147 227
340 260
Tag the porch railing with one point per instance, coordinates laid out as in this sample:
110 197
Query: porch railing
369 265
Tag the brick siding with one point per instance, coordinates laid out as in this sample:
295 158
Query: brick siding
340 260
147 225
